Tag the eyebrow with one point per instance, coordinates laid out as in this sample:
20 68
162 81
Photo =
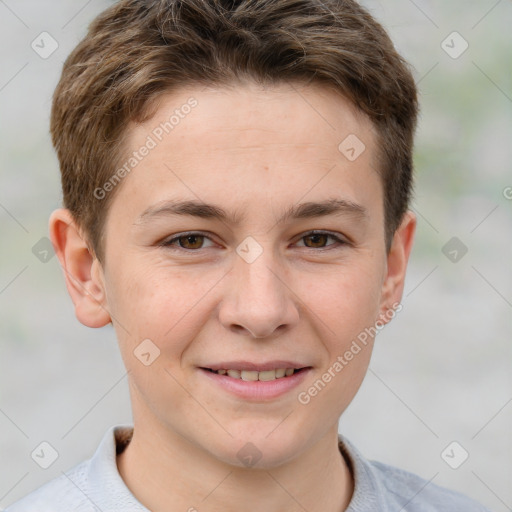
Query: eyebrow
307 210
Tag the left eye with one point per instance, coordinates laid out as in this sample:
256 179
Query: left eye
318 237
194 241
190 241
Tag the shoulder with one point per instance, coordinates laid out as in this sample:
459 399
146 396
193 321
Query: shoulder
62 494
90 486
383 487
420 495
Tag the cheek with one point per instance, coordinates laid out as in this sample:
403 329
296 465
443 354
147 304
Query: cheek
345 302
153 300
346 309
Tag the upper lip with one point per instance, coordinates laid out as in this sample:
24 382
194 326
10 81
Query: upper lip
250 366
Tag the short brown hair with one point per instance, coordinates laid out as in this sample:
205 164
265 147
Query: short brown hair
137 50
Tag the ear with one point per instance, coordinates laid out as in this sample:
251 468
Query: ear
82 270
397 258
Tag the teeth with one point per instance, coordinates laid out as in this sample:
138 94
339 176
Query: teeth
250 375
247 375
268 375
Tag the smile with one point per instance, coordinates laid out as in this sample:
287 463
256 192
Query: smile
250 375
254 385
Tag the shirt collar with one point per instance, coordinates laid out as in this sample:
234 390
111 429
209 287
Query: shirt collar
107 489
109 492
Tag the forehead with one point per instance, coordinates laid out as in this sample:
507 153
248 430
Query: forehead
287 139
286 113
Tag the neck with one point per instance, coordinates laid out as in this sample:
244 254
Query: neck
165 472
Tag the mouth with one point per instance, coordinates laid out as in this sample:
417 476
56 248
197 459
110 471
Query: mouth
257 383
256 375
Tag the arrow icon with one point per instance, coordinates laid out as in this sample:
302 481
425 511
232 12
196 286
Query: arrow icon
454 249
44 45
454 45
43 250
147 352
44 455
249 253
454 455
352 147
450 454
249 455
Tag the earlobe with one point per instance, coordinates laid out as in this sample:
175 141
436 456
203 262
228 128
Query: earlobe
397 259
82 270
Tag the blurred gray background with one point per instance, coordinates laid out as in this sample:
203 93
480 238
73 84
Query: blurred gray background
441 371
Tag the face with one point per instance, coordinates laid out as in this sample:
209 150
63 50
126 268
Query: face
285 267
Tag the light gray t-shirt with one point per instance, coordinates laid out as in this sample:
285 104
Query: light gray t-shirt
95 485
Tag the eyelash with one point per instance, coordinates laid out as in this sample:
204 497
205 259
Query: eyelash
168 243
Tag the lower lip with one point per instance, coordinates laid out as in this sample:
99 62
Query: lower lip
257 390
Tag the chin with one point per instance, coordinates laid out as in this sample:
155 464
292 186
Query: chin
258 451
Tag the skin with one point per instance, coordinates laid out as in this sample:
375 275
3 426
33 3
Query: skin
253 151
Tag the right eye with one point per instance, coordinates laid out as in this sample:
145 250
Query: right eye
192 241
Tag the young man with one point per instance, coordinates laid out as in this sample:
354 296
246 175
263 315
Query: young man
236 179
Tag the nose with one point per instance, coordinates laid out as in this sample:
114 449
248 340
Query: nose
259 300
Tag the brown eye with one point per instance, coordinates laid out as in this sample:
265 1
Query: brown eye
187 241
319 240
191 241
